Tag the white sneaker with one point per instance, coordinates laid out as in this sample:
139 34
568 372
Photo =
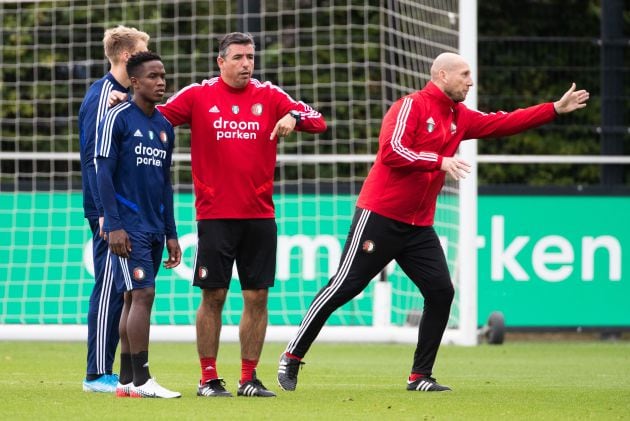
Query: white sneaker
123 390
151 389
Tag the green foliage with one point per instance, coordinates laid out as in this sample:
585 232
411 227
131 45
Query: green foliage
545 18
517 70
348 62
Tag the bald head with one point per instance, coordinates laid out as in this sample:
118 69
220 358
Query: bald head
451 73
446 62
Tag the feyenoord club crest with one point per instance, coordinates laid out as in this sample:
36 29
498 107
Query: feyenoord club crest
235 109
202 273
430 124
257 109
138 274
163 137
368 246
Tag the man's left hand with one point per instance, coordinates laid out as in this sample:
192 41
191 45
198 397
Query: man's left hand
174 254
571 100
101 233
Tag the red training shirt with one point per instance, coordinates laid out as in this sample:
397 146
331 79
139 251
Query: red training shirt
417 132
233 159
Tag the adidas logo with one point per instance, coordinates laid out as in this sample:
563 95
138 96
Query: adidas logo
138 133
249 390
214 109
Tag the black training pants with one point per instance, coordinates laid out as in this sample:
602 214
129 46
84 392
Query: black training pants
373 242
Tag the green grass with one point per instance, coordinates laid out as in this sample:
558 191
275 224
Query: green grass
518 380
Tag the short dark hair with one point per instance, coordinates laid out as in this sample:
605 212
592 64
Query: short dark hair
234 38
136 61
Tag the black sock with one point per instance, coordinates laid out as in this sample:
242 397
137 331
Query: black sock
126 369
140 364
90 377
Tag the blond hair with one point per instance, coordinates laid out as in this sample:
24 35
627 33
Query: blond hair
120 39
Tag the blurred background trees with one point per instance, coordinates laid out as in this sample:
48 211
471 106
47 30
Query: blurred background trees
529 52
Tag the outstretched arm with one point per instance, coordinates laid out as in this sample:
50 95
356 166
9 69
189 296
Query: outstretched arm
571 100
499 124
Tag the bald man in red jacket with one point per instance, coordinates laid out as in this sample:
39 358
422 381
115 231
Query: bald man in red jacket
395 210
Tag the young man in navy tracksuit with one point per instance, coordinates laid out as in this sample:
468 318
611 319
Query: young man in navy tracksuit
134 152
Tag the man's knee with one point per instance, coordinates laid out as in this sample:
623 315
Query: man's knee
144 296
255 298
441 297
213 298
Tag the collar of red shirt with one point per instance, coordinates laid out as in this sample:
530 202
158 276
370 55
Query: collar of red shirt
231 89
436 93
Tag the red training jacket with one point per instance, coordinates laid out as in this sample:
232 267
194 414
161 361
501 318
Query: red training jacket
233 158
417 132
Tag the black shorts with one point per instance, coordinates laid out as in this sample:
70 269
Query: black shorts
251 243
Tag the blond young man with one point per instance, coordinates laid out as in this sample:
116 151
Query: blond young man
105 306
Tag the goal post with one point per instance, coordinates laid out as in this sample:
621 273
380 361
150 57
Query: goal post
467 269
349 59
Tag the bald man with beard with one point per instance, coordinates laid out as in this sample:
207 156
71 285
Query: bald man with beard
395 210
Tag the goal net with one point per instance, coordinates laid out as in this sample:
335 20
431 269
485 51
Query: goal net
349 59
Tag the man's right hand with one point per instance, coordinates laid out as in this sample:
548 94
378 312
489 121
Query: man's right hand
115 98
119 243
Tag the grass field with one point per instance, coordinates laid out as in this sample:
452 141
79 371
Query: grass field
518 380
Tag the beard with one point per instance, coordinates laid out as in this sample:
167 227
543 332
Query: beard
455 96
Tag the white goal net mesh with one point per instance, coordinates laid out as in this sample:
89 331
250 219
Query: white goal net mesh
350 59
